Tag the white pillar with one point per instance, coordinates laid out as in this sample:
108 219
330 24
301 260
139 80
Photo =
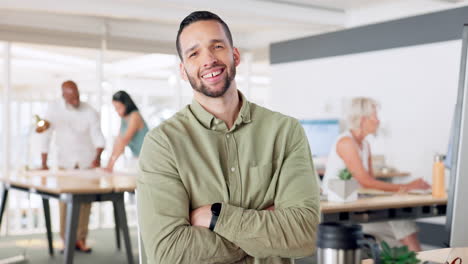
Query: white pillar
100 67
30 114
18 160
100 79
6 107
248 60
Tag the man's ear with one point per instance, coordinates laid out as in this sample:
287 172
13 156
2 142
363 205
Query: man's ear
236 55
183 74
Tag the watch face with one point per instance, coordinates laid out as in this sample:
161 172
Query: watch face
216 209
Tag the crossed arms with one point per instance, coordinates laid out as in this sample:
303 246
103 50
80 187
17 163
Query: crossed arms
169 237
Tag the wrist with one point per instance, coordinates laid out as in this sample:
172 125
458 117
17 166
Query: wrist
113 158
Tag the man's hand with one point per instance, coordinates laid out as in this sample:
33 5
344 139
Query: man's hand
201 216
97 160
44 161
96 163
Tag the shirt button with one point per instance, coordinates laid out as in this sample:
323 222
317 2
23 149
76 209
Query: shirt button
233 169
213 128
227 135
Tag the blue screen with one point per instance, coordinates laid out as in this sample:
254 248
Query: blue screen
321 135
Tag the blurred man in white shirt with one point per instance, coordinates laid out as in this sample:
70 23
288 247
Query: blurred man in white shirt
79 141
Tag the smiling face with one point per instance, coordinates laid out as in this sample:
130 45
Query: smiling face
208 60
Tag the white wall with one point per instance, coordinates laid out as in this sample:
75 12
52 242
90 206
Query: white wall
416 87
380 11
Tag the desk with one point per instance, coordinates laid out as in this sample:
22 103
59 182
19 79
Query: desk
380 208
75 187
377 174
436 255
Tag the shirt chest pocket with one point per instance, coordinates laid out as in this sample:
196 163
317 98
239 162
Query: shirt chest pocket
260 185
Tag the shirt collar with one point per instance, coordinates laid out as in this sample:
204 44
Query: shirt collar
211 122
244 113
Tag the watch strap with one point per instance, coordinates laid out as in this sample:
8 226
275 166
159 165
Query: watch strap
214 219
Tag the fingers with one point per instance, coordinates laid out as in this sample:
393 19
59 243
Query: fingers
419 184
423 184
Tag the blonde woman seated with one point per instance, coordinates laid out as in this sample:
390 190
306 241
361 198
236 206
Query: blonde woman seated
352 151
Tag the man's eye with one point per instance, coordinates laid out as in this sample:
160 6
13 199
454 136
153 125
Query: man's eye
192 54
219 46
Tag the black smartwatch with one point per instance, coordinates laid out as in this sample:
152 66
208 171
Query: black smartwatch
215 211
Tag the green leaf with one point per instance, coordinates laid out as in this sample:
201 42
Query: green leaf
385 247
345 174
397 255
404 255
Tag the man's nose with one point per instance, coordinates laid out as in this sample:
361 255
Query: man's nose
209 59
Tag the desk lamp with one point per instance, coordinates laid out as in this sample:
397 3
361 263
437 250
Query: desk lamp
41 124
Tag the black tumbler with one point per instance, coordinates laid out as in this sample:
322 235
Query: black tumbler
342 244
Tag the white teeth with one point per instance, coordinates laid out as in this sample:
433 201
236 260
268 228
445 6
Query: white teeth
212 74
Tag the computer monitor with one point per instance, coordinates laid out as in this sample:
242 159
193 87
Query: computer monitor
457 211
321 133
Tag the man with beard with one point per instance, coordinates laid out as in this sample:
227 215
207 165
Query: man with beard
224 180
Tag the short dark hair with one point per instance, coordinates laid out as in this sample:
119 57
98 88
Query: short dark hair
124 98
201 16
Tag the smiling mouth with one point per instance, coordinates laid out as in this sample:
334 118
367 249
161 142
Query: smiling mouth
212 74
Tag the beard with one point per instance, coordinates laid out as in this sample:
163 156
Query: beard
202 88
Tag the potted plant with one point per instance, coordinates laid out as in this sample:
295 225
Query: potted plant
343 189
397 255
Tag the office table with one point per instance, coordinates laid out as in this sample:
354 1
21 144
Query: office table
74 187
436 255
383 208
377 174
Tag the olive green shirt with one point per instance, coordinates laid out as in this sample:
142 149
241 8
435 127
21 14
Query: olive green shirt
192 160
